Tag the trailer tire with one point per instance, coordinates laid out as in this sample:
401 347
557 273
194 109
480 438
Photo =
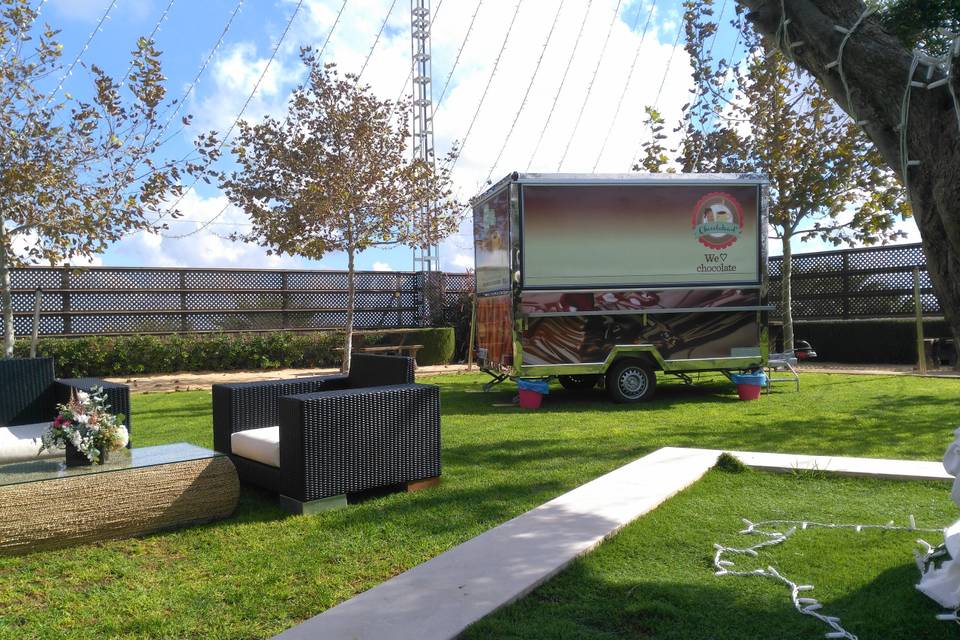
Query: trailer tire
631 381
579 383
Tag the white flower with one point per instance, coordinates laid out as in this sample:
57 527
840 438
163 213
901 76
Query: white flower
123 436
76 439
82 418
83 396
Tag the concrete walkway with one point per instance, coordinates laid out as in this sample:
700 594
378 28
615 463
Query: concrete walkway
439 599
203 380
815 366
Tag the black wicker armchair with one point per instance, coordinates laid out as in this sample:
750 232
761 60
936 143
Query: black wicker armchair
315 440
29 394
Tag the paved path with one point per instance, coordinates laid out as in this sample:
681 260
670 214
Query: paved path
440 598
203 380
875 369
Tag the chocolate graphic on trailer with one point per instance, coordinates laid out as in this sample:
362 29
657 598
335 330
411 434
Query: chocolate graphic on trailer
717 220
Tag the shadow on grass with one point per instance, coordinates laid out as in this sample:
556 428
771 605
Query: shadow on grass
581 604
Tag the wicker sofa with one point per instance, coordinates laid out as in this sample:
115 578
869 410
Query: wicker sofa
314 440
29 394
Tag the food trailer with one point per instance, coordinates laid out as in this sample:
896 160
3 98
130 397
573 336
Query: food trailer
608 279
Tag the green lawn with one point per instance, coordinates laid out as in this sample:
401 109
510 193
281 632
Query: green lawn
262 571
655 579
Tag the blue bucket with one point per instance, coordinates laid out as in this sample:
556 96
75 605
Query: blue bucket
758 379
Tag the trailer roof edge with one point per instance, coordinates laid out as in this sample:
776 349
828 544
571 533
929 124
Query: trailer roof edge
622 178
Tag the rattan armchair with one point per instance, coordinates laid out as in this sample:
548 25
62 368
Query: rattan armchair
335 435
29 394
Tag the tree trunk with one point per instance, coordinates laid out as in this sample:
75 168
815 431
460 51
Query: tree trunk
786 294
6 298
351 303
877 70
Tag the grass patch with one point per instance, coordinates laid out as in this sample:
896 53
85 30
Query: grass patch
655 579
262 571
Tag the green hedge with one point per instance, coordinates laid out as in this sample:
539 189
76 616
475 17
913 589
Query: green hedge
130 355
867 341
438 343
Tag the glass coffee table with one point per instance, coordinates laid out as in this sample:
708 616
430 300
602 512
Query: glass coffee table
45 504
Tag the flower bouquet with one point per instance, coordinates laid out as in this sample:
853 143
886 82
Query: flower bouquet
86 429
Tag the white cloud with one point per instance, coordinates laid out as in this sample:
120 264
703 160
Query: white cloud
382 266
463 261
238 66
200 239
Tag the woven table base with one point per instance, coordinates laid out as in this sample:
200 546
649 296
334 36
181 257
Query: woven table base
116 504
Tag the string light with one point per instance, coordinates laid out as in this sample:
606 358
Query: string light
236 121
383 25
905 162
456 60
838 63
563 80
663 81
626 85
86 45
156 28
800 593
203 67
329 33
526 94
586 97
486 89
21 32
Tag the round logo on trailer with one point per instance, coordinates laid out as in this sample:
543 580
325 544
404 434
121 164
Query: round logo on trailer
717 220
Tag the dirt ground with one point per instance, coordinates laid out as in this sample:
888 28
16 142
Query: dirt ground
203 380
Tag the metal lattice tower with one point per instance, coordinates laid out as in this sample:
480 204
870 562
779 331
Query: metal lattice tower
427 259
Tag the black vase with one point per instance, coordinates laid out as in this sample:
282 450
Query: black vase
75 458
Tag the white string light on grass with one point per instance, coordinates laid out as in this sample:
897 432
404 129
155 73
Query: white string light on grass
799 593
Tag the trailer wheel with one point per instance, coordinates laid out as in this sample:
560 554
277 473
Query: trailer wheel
631 381
579 383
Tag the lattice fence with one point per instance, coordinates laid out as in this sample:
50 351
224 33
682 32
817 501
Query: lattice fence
112 301
872 282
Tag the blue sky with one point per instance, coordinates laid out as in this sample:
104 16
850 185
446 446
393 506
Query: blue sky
190 29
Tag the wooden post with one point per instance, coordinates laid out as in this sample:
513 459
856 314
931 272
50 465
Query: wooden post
473 330
918 308
845 284
38 299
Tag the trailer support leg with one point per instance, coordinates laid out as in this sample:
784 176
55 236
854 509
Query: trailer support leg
497 379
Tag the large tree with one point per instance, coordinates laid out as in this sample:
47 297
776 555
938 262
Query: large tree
335 174
906 103
826 181
75 175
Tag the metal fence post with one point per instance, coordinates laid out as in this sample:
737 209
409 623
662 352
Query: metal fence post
183 300
65 303
285 301
34 336
918 310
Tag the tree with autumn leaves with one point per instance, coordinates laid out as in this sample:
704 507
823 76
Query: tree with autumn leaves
898 78
75 175
335 174
765 116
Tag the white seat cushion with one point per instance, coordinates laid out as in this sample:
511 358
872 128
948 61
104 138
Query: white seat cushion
262 445
22 442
